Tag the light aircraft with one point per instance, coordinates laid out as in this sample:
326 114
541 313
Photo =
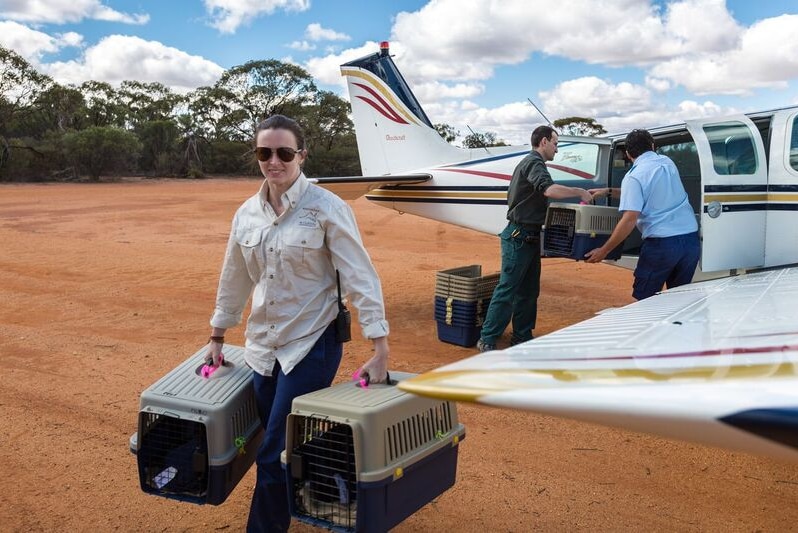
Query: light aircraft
712 362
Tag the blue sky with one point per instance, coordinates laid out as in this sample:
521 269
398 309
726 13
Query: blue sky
628 63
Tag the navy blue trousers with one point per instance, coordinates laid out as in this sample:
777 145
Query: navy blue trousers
669 261
274 394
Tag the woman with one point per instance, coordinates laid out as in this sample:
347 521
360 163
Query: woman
286 243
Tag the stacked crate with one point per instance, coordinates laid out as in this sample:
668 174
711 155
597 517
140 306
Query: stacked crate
462 296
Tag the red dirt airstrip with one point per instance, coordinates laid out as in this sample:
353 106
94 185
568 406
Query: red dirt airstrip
106 287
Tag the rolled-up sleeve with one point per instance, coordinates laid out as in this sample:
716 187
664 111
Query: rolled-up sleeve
359 279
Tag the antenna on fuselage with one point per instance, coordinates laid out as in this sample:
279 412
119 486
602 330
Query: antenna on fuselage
541 112
474 133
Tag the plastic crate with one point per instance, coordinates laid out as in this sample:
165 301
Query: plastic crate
465 283
457 312
364 459
460 335
198 436
571 230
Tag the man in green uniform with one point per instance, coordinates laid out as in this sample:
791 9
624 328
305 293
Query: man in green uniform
516 296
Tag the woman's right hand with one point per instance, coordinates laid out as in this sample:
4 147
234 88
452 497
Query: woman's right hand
214 353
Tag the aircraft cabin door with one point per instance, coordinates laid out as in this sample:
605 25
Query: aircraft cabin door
734 192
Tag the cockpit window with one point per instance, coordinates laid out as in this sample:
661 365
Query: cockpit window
574 161
733 149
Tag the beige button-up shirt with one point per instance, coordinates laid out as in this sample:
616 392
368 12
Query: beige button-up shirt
287 263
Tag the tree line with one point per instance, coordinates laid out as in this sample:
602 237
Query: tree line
50 131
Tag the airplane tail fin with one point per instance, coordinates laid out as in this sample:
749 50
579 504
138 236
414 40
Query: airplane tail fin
393 133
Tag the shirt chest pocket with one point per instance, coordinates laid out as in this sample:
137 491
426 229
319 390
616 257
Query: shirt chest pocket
304 246
249 243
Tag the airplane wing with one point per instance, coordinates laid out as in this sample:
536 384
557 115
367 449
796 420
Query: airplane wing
711 362
353 187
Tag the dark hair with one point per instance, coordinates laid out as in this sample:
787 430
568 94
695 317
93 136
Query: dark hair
540 133
281 122
638 142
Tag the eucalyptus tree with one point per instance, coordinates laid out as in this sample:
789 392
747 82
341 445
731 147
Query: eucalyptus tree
261 88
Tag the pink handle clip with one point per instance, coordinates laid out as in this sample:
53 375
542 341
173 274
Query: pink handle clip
208 369
363 381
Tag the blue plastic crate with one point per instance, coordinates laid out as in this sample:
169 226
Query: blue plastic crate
460 335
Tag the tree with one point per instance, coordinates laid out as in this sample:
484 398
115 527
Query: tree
147 102
20 85
59 108
448 132
103 104
482 140
579 126
98 150
258 89
160 147
329 136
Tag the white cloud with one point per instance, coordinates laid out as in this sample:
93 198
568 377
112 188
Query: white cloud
766 56
228 15
593 97
315 32
119 57
695 44
432 91
59 12
302 46
32 44
657 84
327 69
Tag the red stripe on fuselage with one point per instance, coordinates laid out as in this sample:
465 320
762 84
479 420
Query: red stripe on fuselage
496 175
568 170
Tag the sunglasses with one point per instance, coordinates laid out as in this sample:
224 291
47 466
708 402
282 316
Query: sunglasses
285 154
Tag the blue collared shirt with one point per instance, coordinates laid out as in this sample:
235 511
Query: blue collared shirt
654 189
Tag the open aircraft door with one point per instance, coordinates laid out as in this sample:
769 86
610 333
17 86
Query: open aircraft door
734 192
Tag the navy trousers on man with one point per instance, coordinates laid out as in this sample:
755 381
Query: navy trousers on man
668 261
268 512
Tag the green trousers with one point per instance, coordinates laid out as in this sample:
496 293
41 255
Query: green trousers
516 296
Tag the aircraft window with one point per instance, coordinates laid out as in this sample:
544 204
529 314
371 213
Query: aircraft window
794 144
733 149
574 162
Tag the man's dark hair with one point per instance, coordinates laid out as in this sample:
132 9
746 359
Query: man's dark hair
638 142
281 122
540 133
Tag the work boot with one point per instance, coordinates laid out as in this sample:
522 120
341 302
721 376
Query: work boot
483 346
515 340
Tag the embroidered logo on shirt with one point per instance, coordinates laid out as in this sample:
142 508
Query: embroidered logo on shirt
308 217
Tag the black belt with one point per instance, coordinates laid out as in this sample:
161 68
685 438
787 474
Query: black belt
534 228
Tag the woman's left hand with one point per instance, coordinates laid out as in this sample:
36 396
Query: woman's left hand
376 368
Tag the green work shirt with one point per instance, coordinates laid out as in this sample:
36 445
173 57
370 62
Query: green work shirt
526 203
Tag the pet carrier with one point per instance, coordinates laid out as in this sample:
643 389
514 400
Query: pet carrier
572 230
365 458
198 436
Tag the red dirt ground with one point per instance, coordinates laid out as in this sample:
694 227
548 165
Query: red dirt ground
107 287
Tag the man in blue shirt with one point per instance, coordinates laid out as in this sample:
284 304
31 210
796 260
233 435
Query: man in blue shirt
653 198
